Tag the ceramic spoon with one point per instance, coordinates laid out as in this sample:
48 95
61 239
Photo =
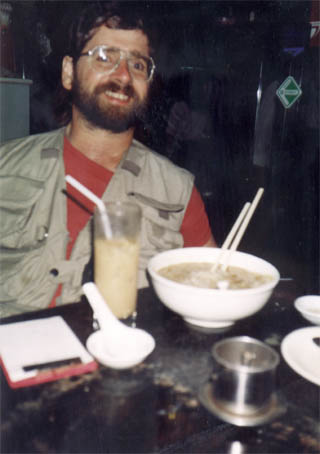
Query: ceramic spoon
120 340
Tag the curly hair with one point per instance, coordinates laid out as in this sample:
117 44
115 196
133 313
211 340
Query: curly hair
115 15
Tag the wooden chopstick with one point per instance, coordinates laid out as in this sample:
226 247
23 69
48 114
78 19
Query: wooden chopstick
237 231
231 234
243 227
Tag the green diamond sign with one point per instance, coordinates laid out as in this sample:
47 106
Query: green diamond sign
288 92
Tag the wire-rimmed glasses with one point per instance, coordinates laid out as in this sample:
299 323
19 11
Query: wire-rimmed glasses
107 59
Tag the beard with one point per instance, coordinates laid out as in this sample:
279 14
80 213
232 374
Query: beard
112 118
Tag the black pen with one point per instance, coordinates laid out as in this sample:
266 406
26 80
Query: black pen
52 364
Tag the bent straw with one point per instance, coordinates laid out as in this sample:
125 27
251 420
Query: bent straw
90 195
231 234
243 227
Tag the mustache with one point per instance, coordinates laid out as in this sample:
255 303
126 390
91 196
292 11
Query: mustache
127 90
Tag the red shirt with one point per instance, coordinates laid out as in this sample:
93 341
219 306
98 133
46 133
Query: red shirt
195 227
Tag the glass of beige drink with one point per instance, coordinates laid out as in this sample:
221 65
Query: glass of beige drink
116 257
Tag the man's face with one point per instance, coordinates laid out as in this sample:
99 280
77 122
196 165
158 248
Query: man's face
108 101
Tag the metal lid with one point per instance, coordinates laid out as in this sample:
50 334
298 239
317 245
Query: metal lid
245 354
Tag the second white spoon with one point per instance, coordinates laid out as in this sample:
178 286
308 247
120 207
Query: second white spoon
119 340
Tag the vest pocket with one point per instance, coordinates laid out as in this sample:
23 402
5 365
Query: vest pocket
162 238
160 206
18 198
27 276
161 223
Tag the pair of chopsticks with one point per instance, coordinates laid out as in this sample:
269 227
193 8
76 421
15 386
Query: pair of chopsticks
237 231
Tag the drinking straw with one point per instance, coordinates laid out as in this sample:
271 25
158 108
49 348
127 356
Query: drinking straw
231 234
243 227
90 195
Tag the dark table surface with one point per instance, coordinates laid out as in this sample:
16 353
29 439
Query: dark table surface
155 406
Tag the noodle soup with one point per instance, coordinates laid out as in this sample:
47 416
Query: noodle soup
201 275
211 307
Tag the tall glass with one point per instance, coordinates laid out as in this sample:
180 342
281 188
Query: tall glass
116 258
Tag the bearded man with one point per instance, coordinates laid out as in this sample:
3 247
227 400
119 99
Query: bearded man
45 224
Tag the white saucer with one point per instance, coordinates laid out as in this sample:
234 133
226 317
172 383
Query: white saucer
97 347
302 354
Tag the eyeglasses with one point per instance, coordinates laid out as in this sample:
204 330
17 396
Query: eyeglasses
106 59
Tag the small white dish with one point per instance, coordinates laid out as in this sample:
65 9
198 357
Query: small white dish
97 346
302 354
309 307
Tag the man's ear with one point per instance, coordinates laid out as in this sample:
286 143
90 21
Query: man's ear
67 72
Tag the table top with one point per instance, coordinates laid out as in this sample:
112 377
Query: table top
155 406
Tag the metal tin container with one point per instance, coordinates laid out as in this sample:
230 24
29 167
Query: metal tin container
244 375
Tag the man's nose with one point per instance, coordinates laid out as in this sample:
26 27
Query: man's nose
122 71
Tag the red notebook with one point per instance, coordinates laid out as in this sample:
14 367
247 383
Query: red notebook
38 351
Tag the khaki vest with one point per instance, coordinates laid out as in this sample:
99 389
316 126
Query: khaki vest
33 232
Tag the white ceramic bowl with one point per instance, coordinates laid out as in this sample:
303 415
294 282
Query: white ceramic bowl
211 308
309 307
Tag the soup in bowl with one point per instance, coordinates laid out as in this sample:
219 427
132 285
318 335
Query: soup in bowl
187 283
